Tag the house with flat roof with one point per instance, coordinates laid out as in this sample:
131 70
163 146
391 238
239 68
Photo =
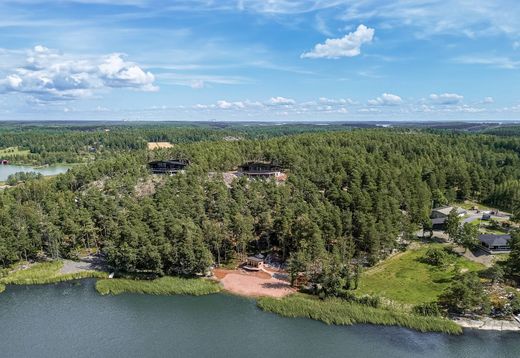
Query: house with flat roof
495 243
172 166
444 211
261 169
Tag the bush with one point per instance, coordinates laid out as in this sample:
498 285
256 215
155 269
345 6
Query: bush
371 301
435 256
427 309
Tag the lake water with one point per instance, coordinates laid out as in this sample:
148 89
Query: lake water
72 320
6 170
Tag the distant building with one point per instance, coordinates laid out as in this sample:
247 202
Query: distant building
254 263
168 166
494 243
444 211
260 169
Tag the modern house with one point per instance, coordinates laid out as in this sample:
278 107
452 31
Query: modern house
254 263
439 224
444 211
494 243
168 166
261 169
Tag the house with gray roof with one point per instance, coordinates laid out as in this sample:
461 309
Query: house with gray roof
444 211
495 243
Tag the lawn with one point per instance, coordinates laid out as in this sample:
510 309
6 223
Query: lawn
12 151
405 279
46 272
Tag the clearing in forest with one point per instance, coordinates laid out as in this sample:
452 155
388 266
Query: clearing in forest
406 279
159 145
253 284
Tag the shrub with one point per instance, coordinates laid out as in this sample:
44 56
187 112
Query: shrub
427 309
435 256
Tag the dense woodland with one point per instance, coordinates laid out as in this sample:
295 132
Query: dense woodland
350 198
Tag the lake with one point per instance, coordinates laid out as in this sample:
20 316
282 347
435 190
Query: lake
72 320
6 170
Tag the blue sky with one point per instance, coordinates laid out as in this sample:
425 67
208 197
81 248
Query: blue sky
277 60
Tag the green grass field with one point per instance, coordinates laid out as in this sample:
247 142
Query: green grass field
12 151
46 272
162 286
405 279
340 312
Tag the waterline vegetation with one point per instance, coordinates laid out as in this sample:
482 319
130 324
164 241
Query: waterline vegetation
341 312
166 285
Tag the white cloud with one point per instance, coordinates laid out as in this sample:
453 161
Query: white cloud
488 100
347 46
446 98
499 62
338 101
281 101
116 72
49 75
386 99
197 84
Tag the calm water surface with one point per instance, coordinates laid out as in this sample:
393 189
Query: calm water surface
72 320
6 170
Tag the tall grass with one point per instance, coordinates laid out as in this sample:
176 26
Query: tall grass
162 286
46 272
2 288
340 312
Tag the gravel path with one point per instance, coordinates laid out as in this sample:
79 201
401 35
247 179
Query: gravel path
89 263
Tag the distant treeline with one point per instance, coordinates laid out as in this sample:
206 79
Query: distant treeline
80 143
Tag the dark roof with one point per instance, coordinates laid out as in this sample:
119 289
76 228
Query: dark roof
262 164
437 221
495 240
255 259
171 162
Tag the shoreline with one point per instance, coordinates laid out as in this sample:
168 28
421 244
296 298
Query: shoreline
259 287
488 324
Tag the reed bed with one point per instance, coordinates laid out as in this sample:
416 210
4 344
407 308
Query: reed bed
167 285
340 312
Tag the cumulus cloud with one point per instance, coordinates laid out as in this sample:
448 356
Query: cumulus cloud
446 98
386 99
488 100
50 75
116 72
347 46
281 101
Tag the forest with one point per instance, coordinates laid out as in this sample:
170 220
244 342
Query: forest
350 199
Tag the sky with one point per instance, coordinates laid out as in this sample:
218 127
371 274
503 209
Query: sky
260 60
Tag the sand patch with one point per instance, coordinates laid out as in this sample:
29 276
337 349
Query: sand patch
253 284
159 145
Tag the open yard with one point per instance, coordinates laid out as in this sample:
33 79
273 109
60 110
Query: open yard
253 284
404 278
12 151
